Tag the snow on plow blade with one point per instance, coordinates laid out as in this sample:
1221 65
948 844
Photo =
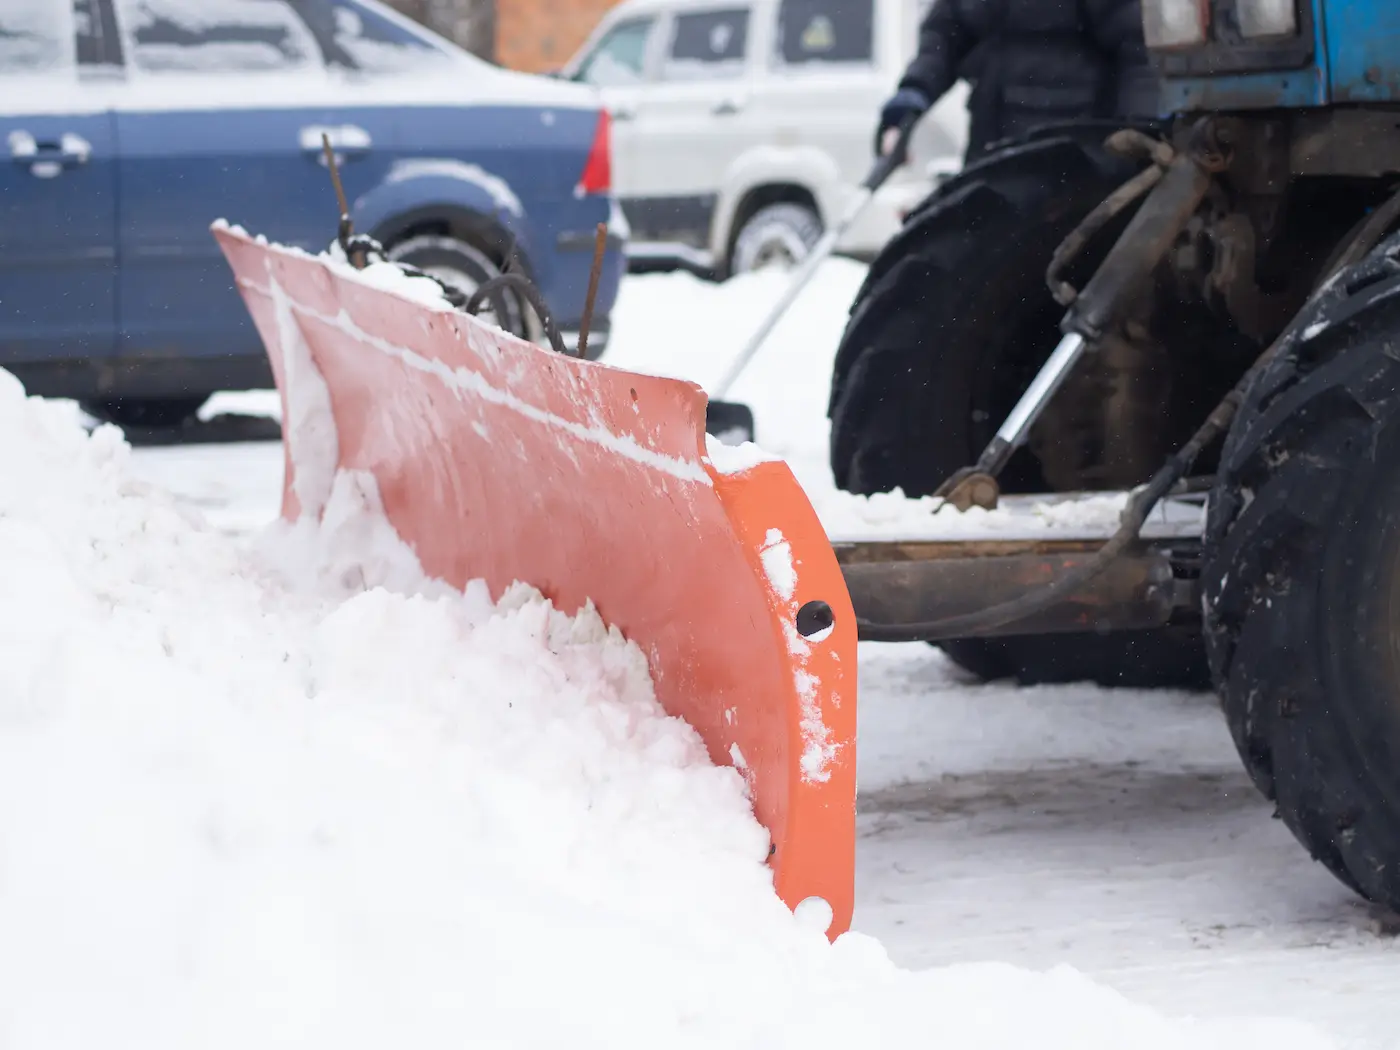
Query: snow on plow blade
499 460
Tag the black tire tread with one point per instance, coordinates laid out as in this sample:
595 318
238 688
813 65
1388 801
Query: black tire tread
1308 422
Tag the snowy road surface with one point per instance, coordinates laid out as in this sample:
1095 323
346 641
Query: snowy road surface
1112 831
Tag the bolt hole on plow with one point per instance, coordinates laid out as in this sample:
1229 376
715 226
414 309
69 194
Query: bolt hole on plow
815 620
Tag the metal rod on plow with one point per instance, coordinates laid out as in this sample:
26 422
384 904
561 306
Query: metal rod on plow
347 225
600 245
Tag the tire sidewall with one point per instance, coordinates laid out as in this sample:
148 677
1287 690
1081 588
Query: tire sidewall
447 255
788 224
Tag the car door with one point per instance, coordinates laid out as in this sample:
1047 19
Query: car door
57 196
692 123
222 119
619 65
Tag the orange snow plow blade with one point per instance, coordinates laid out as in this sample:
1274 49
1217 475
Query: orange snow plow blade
499 460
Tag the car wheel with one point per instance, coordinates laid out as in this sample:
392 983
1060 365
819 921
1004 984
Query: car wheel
159 412
779 234
464 267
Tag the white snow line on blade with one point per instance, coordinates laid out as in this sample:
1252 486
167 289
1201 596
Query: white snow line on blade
312 438
464 380
776 556
817 748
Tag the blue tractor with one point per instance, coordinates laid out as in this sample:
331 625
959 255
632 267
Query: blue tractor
1209 304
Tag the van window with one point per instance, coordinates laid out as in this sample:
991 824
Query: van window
620 57
815 32
707 45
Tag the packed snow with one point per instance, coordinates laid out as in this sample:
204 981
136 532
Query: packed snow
1015 845
294 793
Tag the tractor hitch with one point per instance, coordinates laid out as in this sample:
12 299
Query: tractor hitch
901 591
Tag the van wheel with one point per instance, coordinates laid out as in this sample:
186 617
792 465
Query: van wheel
159 412
778 233
464 267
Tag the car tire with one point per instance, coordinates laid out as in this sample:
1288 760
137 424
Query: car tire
783 232
465 267
153 412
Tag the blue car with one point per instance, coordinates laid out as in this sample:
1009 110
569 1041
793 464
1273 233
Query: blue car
131 125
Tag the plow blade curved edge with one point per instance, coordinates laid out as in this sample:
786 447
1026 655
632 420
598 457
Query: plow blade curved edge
501 461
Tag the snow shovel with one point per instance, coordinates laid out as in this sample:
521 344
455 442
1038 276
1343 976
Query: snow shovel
732 421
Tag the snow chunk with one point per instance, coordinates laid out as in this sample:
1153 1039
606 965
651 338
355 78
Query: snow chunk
389 277
735 459
893 516
495 187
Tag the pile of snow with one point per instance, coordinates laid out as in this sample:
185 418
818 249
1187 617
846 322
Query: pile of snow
296 794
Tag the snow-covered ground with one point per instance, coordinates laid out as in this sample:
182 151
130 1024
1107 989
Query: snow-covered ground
261 816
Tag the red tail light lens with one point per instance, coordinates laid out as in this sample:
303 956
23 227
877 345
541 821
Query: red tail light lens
597 171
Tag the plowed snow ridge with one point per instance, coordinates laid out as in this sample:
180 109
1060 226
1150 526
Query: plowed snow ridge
299 795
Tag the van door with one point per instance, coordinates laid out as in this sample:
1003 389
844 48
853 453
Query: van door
693 123
824 84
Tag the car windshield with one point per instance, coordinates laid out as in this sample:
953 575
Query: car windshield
204 36
36 36
620 56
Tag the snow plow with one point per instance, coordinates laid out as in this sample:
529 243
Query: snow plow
1200 309
501 460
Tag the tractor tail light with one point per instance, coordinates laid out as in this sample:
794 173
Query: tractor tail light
1175 23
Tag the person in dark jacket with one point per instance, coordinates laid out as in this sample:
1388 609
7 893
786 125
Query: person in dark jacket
1029 62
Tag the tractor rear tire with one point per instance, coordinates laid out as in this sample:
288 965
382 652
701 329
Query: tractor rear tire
950 326
1301 579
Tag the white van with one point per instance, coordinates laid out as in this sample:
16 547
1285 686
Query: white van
741 126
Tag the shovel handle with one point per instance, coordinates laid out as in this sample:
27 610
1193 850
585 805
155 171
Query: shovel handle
884 168
886 165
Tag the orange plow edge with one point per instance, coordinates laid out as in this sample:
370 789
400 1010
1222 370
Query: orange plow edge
499 460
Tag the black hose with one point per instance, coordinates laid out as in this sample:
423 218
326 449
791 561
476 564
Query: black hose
526 288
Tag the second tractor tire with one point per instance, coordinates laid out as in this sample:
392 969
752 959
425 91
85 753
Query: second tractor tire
1301 579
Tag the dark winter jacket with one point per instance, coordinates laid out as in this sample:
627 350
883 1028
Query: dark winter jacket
1034 61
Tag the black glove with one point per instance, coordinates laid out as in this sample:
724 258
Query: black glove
905 103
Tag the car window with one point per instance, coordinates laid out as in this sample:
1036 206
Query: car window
36 36
620 56
813 32
217 36
707 45
375 43
96 30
